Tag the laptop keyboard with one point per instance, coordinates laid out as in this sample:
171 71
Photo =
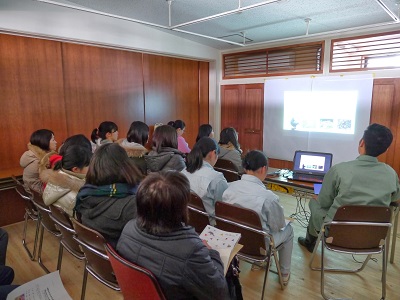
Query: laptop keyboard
307 177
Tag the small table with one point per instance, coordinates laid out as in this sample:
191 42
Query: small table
302 191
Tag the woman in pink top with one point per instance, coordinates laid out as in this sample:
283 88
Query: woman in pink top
180 126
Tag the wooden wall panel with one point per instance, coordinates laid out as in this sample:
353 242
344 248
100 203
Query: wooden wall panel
204 93
102 85
172 92
31 94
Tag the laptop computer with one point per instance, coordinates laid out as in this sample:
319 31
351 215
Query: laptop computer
310 166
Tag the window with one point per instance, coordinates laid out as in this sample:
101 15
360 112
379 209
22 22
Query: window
295 59
366 52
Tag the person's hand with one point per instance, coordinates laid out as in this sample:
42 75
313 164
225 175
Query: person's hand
206 244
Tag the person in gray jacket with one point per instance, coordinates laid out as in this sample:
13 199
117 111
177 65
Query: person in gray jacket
159 240
230 147
165 155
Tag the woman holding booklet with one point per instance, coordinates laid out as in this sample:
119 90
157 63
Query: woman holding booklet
159 240
250 192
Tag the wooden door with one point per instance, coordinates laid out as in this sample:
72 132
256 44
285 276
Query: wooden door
385 110
242 107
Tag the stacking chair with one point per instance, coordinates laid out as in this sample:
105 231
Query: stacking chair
136 283
97 262
45 223
226 164
228 169
255 248
355 229
31 213
67 241
198 217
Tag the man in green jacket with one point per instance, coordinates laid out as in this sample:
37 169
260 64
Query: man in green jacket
363 181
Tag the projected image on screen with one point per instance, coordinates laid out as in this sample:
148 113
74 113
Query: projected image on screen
320 111
312 163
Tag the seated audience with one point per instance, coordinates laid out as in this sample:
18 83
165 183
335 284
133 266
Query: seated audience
107 132
250 192
77 139
363 181
159 240
180 127
165 155
230 148
108 199
207 183
134 144
41 147
205 130
6 272
67 177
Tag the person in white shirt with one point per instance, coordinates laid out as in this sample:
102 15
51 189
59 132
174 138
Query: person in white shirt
251 193
207 183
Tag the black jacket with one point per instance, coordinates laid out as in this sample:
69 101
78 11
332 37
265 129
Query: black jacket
184 267
166 160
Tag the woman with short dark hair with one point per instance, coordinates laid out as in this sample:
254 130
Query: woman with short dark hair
207 183
230 147
42 145
165 155
134 144
159 241
108 199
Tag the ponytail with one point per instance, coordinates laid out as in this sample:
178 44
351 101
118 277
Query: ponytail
194 160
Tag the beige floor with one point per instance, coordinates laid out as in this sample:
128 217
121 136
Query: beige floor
304 283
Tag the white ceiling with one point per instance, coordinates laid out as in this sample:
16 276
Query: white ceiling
234 27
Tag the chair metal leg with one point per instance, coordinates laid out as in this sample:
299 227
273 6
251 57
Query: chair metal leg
40 250
85 274
384 269
278 268
60 256
32 254
266 275
395 226
315 250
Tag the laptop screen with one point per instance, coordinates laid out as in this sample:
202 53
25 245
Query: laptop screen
316 163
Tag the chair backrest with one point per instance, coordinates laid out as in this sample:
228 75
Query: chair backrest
226 164
198 217
25 194
64 224
136 283
21 189
246 222
93 245
228 169
229 175
369 229
44 212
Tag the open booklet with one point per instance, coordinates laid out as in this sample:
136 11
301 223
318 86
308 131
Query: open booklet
48 286
226 243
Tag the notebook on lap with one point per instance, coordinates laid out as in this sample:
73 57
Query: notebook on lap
311 166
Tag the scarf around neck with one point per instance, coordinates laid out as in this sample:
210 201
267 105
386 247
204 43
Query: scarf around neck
115 190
